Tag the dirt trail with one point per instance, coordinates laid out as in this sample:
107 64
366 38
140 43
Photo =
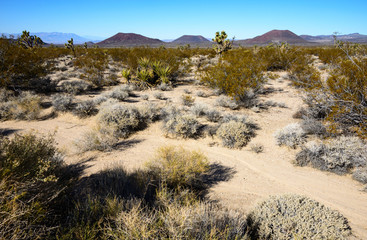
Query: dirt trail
256 175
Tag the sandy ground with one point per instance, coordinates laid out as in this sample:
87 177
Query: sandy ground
255 177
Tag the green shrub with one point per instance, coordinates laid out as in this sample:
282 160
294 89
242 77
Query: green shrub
297 217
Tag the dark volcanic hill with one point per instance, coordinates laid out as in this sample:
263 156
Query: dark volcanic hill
188 39
128 39
276 36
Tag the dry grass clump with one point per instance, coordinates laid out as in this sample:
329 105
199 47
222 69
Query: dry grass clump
339 155
62 102
297 217
179 168
291 135
187 100
74 87
96 140
234 134
201 94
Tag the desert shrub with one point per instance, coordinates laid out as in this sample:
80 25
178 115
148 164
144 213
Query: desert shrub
240 118
85 109
74 87
305 76
226 102
257 147
235 74
234 134
6 109
339 155
312 126
96 140
28 157
120 120
297 217
62 102
120 93
201 94
360 175
181 125
291 135
158 95
199 110
179 168
149 111
145 97
100 99
164 87
213 115
26 106
187 100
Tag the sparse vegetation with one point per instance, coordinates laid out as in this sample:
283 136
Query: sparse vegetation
234 134
62 102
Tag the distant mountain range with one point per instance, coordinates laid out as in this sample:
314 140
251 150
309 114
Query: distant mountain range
133 39
187 39
60 38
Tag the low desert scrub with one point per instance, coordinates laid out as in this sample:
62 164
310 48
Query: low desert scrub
179 168
159 95
150 112
145 97
74 87
96 140
340 155
181 124
164 87
297 217
234 134
291 135
199 110
62 102
121 92
26 106
85 109
360 175
257 148
312 126
120 120
226 102
187 100
201 94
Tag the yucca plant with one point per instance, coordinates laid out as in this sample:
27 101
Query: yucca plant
126 73
163 73
144 62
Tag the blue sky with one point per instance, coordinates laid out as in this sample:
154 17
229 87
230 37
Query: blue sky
170 19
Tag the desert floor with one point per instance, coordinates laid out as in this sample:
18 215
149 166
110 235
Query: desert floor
252 177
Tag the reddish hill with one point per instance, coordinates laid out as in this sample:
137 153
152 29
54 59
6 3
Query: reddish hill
122 39
276 36
186 39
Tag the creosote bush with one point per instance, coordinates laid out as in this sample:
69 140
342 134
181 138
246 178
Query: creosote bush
291 135
297 217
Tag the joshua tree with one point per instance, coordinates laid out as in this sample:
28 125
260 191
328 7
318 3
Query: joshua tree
223 44
29 41
70 45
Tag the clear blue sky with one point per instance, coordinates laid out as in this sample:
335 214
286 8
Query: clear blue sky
170 19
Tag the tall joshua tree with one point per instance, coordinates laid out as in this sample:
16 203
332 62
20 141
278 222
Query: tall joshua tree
223 44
